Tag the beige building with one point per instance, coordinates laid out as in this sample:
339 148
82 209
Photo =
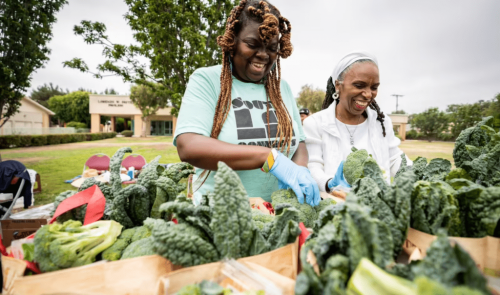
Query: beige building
399 122
120 106
32 118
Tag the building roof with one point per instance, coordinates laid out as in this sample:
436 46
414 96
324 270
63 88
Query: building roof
39 106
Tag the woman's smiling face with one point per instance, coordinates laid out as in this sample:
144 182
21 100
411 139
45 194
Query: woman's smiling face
252 59
359 87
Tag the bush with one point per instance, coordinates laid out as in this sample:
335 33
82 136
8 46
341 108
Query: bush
24 140
128 133
412 134
8 141
77 125
446 137
38 140
53 139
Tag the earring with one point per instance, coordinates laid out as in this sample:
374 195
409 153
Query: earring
335 95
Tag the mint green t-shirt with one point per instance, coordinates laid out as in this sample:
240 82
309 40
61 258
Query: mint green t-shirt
245 124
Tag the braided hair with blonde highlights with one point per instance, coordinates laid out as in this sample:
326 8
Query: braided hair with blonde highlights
330 90
272 25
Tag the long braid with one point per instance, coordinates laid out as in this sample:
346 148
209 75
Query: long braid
330 90
272 25
228 44
380 115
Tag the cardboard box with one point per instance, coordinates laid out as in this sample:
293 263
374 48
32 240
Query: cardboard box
15 229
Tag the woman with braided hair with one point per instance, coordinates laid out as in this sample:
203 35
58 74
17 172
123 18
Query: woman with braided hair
350 117
242 112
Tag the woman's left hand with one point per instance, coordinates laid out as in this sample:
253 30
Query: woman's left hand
298 178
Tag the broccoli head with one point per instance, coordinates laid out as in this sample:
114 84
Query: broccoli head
139 248
353 166
70 244
307 213
323 204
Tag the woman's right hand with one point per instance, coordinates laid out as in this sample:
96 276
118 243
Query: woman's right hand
338 179
297 178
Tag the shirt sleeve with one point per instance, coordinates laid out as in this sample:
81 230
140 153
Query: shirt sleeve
198 105
294 111
315 150
394 150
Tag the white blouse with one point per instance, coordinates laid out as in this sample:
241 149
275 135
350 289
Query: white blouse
327 144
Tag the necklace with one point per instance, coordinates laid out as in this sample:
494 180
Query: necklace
351 134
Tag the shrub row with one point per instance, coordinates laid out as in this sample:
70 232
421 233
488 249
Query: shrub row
127 133
413 134
9 141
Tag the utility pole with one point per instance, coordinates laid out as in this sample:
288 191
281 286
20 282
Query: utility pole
397 96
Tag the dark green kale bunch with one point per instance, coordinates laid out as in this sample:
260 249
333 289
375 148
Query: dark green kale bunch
437 169
131 204
390 204
477 151
434 206
344 234
169 185
447 264
222 226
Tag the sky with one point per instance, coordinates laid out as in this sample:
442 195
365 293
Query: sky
434 53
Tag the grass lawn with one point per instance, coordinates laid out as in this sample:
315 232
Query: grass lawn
429 150
58 163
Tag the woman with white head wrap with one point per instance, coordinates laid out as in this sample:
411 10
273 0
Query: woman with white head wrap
354 120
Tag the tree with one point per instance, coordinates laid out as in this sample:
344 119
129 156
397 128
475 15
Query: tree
25 30
463 117
43 93
311 98
111 91
399 112
60 105
494 110
148 100
431 122
176 37
72 107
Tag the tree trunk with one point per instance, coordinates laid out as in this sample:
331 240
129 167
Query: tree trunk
144 125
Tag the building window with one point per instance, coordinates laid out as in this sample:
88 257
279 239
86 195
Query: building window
161 128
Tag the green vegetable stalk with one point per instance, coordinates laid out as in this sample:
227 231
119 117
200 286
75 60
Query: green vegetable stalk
70 244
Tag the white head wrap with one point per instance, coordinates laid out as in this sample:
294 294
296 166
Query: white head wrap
349 60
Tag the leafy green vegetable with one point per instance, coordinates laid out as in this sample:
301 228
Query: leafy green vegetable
166 190
28 251
353 166
434 206
368 279
182 245
70 244
391 206
58 200
139 248
484 215
323 204
436 170
307 213
148 178
477 151
458 173
450 266
231 214
178 171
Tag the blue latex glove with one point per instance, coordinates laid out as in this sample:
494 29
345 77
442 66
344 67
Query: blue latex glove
339 178
298 178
